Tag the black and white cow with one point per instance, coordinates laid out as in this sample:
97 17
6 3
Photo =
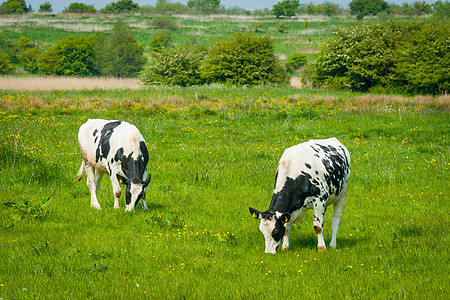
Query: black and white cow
118 149
312 174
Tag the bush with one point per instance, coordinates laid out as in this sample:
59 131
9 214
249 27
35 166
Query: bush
73 56
245 59
5 63
160 41
179 66
296 60
164 22
411 57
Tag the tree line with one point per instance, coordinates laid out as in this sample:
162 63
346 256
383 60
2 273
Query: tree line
118 55
285 8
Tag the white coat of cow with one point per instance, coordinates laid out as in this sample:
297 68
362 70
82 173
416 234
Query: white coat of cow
118 149
310 175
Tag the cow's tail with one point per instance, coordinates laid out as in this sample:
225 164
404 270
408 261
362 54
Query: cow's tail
80 172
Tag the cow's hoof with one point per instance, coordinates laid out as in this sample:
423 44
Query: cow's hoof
320 248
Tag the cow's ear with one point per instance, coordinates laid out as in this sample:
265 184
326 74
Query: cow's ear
255 213
121 179
285 217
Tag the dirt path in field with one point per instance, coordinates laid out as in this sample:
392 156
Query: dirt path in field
65 83
74 83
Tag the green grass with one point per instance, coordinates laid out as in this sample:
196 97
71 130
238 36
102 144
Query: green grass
213 153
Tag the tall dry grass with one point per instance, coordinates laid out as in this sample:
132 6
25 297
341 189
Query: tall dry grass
66 83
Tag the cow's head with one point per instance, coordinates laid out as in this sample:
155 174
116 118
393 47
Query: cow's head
135 190
272 227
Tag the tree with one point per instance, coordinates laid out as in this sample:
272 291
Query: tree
363 8
204 6
14 7
120 55
286 8
79 8
121 6
45 7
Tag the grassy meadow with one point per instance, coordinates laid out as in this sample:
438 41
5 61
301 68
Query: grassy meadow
213 153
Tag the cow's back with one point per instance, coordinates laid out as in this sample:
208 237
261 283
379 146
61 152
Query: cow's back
326 161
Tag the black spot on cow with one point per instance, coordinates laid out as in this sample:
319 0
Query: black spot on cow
293 194
279 231
308 165
104 144
95 132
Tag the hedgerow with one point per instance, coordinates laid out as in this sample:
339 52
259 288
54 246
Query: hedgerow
408 57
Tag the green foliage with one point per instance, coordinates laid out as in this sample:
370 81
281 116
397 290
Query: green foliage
121 6
282 28
27 54
160 41
441 11
120 55
363 8
414 9
45 7
26 209
326 8
77 7
164 23
178 66
296 60
5 63
398 56
13 7
244 59
73 56
204 6
286 8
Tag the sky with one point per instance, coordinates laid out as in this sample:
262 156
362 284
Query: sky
60 5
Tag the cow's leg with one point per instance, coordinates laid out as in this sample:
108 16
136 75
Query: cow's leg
144 204
116 190
92 185
295 218
338 206
319 217
286 236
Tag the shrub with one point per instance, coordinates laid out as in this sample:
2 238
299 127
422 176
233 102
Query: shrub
245 59
73 56
178 66
5 63
164 22
160 41
296 60
411 57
